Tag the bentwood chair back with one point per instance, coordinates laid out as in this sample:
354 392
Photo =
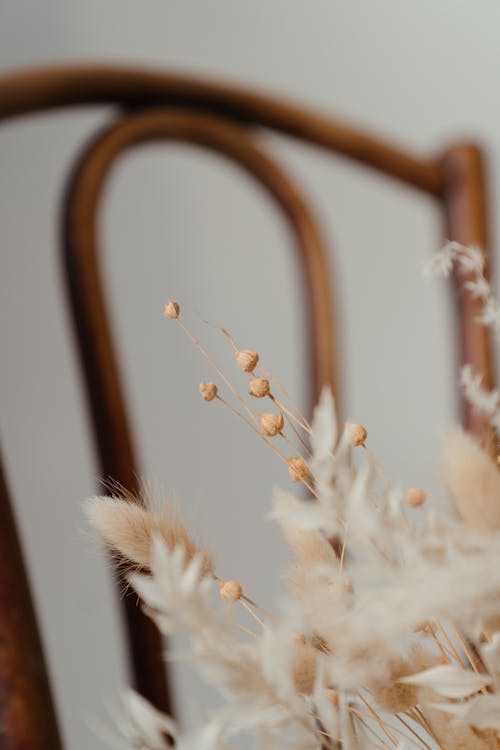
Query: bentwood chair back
156 106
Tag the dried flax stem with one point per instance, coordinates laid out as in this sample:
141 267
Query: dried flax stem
358 715
415 734
283 408
252 613
450 644
445 653
418 716
400 733
383 725
292 446
217 369
343 550
378 468
281 387
468 654
289 414
321 735
374 503
324 734
311 490
295 431
249 424
247 630
224 332
261 609
289 442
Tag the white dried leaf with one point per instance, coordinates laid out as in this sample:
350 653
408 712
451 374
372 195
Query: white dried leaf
145 724
449 680
324 425
481 712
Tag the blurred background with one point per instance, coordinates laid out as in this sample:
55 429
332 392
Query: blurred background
181 222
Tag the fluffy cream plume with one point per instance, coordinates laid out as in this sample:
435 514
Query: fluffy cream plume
304 664
128 527
308 678
448 732
393 695
485 402
308 547
473 481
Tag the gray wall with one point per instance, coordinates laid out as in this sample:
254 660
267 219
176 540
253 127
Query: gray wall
183 223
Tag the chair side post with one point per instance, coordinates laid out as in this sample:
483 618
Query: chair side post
465 209
27 715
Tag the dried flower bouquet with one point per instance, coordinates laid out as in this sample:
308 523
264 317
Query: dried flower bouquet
391 633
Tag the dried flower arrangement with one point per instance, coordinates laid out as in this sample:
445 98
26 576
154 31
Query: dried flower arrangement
391 633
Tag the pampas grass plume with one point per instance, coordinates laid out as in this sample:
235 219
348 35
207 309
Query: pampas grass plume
128 528
473 481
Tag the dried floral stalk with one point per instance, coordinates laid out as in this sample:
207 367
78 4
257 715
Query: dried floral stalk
390 634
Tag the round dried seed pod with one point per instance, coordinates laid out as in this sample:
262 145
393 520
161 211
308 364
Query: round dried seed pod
230 591
356 434
298 469
208 391
333 697
259 387
171 309
415 497
247 360
271 424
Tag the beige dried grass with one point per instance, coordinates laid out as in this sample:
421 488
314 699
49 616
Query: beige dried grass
473 481
128 528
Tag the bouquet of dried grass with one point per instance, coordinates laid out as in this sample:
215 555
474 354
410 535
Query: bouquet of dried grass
391 633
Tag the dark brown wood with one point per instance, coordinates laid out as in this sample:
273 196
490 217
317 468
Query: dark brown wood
81 246
27 716
465 212
224 118
35 90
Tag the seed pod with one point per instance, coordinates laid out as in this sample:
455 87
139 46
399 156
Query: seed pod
247 360
298 469
333 697
208 391
171 309
230 591
415 497
271 424
356 434
259 387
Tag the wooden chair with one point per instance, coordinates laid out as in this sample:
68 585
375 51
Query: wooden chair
157 106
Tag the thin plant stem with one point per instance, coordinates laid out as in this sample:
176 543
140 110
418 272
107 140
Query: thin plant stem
297 433
380 722
217 369
410 729
247 630
418 716
359 717
281 387
449 644
468 654
289 414
261 609
252 613
343 550
377 466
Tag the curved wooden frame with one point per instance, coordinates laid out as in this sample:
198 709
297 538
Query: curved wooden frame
108 404
160 106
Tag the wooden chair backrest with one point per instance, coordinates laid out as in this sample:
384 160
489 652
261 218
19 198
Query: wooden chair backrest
154 106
